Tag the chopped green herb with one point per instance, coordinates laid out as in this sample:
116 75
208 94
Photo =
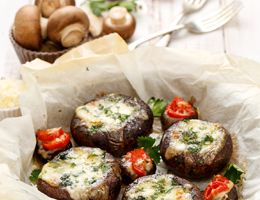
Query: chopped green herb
100 6
95 128
89 182
34 175
148 144
189 137
194 148
63 155
157 106
234 173
92 155
208 139
65 180
72 165
100 107
123 117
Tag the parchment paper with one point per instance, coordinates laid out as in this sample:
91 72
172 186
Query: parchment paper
226 89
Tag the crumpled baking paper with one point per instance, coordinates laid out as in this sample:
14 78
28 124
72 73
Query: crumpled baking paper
226 89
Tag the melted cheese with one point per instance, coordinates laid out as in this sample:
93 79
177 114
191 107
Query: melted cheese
160 187
109 113
77 170
196 136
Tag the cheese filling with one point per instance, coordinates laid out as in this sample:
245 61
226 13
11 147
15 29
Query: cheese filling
161 187
77 170
109 113
196 136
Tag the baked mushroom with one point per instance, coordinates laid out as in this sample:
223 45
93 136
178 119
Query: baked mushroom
112 122
135 164
50 142
119 20
196 149
161 186
29 27
68 26
220 188
81 173
47 7
177 110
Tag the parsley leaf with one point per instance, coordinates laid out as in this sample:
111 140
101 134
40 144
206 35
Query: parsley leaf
100 6
234 173
34 175
157 106
148 144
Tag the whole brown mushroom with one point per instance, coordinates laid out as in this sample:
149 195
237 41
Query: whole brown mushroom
68 26
47 7
29 27
119 20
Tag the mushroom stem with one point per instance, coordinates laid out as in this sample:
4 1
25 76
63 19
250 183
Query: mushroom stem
72 35
43 24
118 15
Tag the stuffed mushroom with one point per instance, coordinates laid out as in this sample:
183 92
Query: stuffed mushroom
220 188
135 164
161 187
196 149
178 110
50 142
112 122
81 173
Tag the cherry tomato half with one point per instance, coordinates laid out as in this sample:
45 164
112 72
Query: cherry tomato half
138 159
180 109
217 185
57 143
49 134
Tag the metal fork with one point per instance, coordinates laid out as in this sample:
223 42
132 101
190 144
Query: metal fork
188 7
211 23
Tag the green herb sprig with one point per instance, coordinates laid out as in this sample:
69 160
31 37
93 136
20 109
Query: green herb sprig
148 144
157 106
100 6
34 175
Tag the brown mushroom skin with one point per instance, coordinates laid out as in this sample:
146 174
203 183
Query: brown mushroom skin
192 165
68 26
26 28
111 184
117 142
195 192
125 31
47 7
232 194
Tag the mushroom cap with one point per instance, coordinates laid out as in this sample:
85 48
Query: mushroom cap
65 17
47 7
26 28
119 21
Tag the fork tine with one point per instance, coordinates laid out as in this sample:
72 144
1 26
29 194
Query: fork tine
223 19
227 9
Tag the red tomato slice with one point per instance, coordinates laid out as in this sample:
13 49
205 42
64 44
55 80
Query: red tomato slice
217 185
138 159
58 143
180 109
49 134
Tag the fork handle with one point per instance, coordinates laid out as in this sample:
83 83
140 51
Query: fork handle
137 43
166 39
